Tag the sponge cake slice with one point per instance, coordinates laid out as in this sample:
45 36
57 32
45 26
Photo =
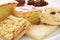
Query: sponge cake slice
6 10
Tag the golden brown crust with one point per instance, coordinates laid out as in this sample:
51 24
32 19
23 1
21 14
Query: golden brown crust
7 4
6 10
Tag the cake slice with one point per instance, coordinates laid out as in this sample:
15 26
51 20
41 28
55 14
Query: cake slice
13 28
39 32
51 16
30 13
6 8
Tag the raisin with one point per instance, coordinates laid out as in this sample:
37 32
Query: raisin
21 2
37 3
53 13
44 3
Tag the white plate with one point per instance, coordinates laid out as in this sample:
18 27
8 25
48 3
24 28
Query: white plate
56 34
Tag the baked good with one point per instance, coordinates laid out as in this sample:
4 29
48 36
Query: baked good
39 32
51 16
28 12
6 8
13 28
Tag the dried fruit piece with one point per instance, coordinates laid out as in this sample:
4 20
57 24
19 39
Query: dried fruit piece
21 2
53 13
37 2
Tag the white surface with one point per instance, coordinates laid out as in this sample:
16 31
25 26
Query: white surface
56 34
2 2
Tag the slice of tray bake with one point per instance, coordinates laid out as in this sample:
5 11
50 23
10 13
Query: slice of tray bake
13 28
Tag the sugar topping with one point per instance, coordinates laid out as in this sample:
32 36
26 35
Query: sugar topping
26 8
2 2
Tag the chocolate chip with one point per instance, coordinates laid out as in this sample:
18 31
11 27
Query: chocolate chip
53 13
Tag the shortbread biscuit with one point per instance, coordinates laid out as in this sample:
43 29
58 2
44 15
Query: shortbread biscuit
39 32
51 16
13 28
